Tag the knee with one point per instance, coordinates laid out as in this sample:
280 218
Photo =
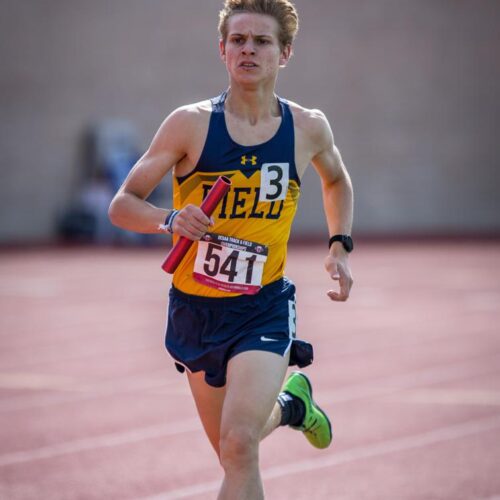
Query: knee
239 448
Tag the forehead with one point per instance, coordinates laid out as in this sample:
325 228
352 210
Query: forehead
257 24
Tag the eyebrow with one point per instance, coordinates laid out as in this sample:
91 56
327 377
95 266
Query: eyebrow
255 36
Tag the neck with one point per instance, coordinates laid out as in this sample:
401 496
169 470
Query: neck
252 104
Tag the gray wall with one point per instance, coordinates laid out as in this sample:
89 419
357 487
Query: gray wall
410 87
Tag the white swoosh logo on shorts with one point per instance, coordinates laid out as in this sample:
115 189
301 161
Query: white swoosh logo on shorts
267 339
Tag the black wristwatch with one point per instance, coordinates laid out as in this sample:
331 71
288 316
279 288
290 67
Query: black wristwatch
345 239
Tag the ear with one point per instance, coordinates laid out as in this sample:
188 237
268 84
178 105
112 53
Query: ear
285 55
222 50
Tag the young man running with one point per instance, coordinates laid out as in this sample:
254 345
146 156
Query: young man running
232 312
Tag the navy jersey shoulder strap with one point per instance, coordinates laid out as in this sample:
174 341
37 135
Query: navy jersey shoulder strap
216 140
286 136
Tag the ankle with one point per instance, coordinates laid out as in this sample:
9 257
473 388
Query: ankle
292 409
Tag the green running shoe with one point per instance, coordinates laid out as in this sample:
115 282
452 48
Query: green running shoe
316 426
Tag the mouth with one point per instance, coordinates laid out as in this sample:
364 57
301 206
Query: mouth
248 65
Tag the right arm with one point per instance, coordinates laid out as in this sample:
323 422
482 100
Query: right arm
129 208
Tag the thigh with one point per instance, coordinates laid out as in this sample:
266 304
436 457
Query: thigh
209 401
254 380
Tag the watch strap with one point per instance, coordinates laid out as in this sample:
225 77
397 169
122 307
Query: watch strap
345 239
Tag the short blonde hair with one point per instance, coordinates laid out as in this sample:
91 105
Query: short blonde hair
282 10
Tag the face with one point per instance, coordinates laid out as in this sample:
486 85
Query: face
252 51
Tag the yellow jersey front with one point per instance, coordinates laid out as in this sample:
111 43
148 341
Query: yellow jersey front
246 248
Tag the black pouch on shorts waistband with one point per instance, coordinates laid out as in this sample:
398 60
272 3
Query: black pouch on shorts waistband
179 368
301 353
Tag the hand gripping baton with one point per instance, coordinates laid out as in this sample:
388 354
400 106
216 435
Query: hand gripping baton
208 205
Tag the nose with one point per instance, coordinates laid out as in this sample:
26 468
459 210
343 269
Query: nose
248 47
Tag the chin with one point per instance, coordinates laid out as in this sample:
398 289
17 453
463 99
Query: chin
243 79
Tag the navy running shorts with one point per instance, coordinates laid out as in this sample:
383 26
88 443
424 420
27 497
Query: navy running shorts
204 333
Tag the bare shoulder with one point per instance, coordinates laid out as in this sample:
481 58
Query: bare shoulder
312 134
189 115
311 122
182 135
183 127
195 110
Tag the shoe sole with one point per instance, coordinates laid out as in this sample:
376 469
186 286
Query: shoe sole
315 405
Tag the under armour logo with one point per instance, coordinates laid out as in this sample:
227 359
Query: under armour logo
252 160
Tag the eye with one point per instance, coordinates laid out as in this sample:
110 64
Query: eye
237 40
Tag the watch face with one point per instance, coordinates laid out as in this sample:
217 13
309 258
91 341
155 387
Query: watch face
348 243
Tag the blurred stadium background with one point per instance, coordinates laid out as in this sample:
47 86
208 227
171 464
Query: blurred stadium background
90 403
410 88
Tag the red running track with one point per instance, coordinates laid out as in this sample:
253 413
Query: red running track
409 369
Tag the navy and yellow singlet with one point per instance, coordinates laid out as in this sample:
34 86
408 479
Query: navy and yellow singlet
246 249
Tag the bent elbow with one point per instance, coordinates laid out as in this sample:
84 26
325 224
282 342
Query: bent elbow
114 212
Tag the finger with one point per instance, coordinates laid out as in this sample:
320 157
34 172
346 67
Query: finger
197 227
343 294
184 227
189 222
195 230
336 296
344 287
189 228
191 235
199 216
334 272
193 213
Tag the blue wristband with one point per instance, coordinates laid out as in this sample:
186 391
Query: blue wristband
169 221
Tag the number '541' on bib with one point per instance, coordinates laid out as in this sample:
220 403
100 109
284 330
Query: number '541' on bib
230 264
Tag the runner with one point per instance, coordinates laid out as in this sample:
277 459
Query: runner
231 316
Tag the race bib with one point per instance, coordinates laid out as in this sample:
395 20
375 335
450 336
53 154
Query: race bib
230 264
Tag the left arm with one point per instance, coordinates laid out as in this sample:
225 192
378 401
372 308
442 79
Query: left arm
337 202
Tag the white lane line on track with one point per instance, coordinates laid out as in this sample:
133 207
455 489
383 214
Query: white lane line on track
93 390
103 441
381 387
374 388
439 396
430 376
352 346
37 381
100 390
58 350
359 453
32 288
